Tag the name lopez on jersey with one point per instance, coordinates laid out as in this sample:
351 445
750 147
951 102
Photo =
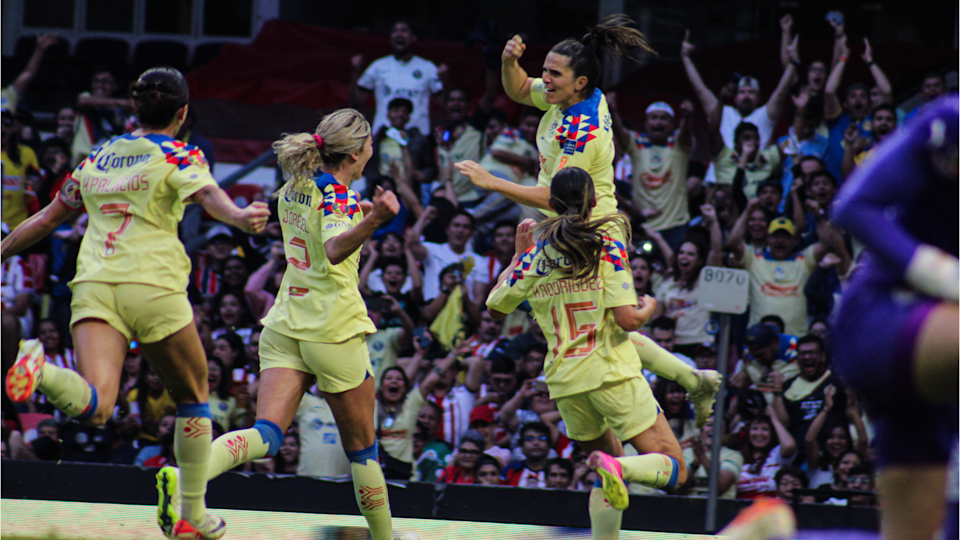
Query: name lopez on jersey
564 286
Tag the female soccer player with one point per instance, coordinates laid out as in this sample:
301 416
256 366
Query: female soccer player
897 324
316 331
131 281
577 279
575 131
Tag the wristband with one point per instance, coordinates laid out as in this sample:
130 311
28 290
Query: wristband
870 63
843 58
796 63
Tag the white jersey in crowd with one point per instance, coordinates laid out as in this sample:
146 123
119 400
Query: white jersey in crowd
440 256
416 80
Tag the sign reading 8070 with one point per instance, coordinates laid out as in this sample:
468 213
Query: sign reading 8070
724 290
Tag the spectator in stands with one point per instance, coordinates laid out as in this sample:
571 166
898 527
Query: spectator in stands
522 343
775 321
232 315
857 148
744 165
390 338
767 353
288 457
55 165
535 446
641 266
861 479
11 95
493 263
223 406
46 446
672 398
856 107
428 420
132 369
503 382
400 75
463 469
559 473
828 438
487 340
933 86
457 140
398 405
229 348
697 454
154 402
483 421
778 275
66 120
770 195
752 226
426 464
17 295
208 262
802 138
262 286
849 460
789 479
391 268
658 158
399 145
455 400
768 447
21 171
321 452
513 156
435 257
804 395
102 115
705 357
488 471
663 331
678 296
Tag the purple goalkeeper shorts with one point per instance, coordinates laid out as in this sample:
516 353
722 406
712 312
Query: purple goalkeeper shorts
874 337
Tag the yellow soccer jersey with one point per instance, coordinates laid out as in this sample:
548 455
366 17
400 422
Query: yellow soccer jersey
319 301
586 348
134 190
726 161
16 185
511 141
660 180
580 136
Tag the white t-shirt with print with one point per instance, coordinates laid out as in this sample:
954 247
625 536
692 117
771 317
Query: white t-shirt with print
416 80
728 126
440 256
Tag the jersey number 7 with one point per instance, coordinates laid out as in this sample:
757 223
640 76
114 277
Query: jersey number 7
112 236
590 329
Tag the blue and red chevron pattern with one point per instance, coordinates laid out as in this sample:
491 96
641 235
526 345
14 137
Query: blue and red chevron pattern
526 261
614 254
182 154
576 131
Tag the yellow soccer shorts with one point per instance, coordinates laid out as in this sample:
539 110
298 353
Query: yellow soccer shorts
138 311
626 407
338 366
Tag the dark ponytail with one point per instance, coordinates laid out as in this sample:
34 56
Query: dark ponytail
612 34
572 233
157 96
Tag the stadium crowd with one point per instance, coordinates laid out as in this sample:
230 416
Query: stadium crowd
461 397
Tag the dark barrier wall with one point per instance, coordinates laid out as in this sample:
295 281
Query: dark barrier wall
82 482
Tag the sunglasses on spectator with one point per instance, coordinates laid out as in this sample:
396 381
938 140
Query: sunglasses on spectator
469 452
532 438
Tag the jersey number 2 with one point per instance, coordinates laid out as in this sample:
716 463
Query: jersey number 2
112 236
576 331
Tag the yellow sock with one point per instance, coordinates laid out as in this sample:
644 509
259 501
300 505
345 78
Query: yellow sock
371 491
68 391
652 470
604 519
191 445
662 362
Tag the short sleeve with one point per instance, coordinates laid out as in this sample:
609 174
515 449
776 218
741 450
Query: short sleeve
505 142
337 210
618 289
724 167
810 258
538 94
191 172
513 291
733 462
772 155
369 78
70 193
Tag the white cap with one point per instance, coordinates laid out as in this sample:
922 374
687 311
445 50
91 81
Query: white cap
218 230
660 106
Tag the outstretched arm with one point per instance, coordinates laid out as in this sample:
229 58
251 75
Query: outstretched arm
706 97
786 26
533 196
831 104
775 104
883 84
35 228
357 94
33 65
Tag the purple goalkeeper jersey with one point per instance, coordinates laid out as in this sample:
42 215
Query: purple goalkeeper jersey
907 194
